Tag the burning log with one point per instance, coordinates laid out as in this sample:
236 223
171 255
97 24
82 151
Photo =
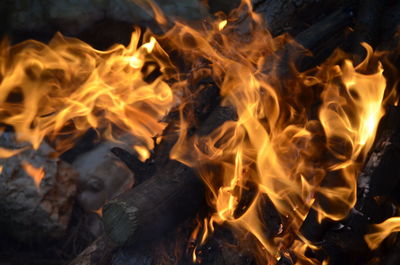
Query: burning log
344 239
380 174
155 206
36 192
152 208
175 192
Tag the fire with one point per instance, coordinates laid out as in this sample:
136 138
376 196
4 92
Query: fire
37 174
281 150
222 24
362 94
142 152
297 162
381 231
66 87
7 153
99 211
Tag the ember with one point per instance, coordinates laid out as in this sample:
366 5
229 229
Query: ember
215 141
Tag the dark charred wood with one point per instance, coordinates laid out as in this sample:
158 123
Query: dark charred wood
140 169
392 256
152 208
282 16
98 253
311 39
389 26
270 217
220 248
367 27
312 229
201 101
319 32
381 174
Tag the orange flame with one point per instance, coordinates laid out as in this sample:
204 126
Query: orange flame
66 87
381 231
37 174
7 153
99 211
281 147
275 145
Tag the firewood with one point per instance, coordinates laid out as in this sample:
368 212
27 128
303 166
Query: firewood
366 27
140 169
313 38
98 253
278 14
151 209
37 192
101 175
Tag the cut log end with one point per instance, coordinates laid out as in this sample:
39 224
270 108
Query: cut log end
120 221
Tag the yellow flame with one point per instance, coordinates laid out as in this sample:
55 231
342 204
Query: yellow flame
381 231
222 24
67 87
37 174
143 152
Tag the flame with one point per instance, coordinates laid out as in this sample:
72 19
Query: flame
7 153
67 87
282 151
99 212
1 168
349 114
222 24
296 162
143 152
381 231
37 174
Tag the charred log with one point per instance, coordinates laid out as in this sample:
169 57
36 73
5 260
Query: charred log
98 253
151 209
